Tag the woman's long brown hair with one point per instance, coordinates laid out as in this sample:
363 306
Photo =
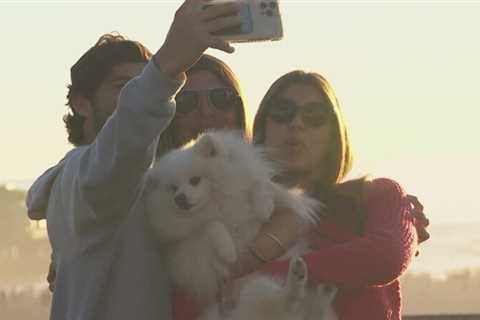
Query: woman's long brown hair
168 140
343 198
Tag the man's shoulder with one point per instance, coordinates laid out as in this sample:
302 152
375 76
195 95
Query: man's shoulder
73 156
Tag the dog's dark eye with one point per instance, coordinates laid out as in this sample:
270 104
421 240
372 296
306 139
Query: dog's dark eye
173 188
195 180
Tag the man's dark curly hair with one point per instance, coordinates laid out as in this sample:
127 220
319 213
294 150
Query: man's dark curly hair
88 73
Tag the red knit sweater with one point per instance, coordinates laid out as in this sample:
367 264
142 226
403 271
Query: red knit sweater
364 268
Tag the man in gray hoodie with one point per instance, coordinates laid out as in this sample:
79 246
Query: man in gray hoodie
107 265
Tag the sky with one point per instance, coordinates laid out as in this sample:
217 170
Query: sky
406 73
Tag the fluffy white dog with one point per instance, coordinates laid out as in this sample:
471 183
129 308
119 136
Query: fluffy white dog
207 200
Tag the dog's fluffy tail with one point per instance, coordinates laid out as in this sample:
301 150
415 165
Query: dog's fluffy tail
308 209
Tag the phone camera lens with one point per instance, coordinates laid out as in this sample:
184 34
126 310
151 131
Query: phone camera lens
269 12
263 5
273 5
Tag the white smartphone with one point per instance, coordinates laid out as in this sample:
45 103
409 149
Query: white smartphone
262 21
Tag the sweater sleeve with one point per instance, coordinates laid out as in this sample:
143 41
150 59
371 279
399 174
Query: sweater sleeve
104 178
382 254
378 257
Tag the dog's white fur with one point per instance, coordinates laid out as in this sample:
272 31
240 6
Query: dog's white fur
207 201
259 297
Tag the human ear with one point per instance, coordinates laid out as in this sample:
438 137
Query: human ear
82 106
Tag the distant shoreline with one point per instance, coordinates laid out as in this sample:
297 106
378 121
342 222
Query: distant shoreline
454 245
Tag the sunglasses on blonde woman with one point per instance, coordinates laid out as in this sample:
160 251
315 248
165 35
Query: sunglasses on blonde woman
224 99
283 110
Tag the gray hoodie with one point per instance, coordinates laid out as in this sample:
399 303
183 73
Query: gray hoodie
108 264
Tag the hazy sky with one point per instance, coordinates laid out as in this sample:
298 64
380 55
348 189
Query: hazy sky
407 74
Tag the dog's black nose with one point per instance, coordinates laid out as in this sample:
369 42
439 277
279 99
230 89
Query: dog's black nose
182 201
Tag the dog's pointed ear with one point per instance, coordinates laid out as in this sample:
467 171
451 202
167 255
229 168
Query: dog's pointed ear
208 146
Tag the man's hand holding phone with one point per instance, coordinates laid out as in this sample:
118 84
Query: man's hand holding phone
192 32
261 21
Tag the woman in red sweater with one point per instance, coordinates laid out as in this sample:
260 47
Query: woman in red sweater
371 232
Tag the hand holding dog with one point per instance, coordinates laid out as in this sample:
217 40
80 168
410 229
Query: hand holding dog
286 226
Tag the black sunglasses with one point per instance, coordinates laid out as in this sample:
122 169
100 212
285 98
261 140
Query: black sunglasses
283 110
224 99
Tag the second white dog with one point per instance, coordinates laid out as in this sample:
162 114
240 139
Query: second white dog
260 297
